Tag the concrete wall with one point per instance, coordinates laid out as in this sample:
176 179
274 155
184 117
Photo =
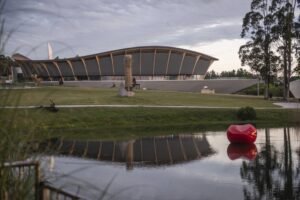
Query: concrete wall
295 88
225 86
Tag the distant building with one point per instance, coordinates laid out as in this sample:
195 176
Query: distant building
153 67
149 63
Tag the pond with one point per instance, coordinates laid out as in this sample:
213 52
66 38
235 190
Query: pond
187 166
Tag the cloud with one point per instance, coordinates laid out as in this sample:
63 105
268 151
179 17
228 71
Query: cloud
93 26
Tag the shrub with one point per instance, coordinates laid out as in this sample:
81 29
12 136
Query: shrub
246 113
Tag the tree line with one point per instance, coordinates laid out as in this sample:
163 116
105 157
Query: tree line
273 32
239 73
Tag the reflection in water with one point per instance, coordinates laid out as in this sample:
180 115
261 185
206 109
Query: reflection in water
272 175
154 151
203 166
244 151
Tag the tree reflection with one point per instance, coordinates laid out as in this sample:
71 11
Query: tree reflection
287 185
272 175
259 172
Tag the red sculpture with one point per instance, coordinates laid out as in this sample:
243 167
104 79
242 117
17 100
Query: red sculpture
242 133
243 151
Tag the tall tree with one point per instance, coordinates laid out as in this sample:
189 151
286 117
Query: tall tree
285 33
258 53
5 64
297 30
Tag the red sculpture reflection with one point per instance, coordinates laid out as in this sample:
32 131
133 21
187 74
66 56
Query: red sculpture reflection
243 151
242 133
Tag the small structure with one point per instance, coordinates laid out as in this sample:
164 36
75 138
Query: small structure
205 90
36 79
135 85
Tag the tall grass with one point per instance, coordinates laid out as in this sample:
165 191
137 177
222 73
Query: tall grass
17 180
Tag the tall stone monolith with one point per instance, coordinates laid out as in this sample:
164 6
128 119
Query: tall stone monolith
126 90
128 72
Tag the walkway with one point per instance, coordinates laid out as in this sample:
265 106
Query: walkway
289 105
136 106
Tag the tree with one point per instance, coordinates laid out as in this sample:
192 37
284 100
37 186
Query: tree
258 53
211 75
240 73
297 69
297 31
5 64
285 33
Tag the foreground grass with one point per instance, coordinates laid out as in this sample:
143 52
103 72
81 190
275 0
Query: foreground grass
73 96
100 123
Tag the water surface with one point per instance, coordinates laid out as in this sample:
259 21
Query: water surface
189 166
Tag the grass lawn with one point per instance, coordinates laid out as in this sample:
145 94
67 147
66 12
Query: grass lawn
88 123
102 123
75 95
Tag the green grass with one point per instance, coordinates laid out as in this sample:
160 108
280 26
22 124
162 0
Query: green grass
72 96
110 123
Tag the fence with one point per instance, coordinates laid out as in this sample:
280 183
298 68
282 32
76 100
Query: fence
24 171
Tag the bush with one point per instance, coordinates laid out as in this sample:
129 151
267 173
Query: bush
246 113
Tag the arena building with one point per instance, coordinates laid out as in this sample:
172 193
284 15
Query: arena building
154 67
153 62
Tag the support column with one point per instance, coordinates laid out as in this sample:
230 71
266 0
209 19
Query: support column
154 61
182 149
197 59
183 56
140 64
129 155
155 151
167 67
56 65
84 65
99 151
112 63
169 152
99 67
71 67
45 67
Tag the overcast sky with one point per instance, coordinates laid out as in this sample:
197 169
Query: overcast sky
82 27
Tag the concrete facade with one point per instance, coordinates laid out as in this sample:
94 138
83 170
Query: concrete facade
224 86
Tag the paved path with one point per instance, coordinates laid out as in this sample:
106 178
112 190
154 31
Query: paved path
134 106
289 105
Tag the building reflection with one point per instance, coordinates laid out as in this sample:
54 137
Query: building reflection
273 173
144 152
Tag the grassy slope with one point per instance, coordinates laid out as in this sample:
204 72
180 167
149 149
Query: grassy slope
124 122
127 122
67 95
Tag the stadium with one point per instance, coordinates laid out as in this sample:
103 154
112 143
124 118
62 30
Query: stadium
154 67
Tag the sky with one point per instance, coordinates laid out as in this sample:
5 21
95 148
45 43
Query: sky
77 27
